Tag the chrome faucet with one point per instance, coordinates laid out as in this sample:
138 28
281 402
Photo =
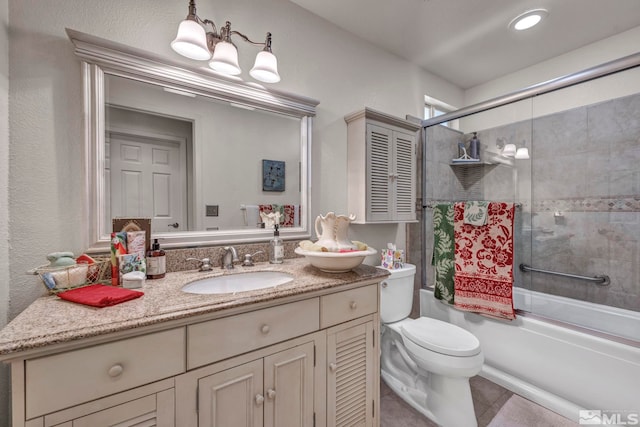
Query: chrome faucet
229 256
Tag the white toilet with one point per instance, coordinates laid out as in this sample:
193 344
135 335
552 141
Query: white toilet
426 361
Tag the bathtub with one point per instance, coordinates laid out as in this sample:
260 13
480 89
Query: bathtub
563 368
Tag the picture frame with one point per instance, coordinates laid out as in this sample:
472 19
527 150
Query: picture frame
273 175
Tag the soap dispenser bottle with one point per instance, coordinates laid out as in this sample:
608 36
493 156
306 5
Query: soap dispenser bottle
156 262
276 254
474 147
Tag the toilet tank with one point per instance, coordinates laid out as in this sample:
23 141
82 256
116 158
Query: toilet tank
396 294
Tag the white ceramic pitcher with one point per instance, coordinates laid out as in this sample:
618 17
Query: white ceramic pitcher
333 235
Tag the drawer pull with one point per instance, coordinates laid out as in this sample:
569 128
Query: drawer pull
265 329
115 370
271 393
259 399
353 305
333 367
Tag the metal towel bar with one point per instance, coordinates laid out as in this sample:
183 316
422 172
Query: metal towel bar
602 280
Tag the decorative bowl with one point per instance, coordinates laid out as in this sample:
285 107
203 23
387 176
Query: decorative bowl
336 262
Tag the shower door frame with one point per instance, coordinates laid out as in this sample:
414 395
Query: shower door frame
602 70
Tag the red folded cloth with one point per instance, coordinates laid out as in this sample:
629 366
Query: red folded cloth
100 295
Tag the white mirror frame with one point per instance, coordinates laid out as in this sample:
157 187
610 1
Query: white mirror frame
100 57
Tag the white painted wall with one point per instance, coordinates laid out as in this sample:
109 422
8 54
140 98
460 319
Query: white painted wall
603 89
316 59
4 198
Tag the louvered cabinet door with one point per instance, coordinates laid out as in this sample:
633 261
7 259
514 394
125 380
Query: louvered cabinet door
351 376
404 176
379 173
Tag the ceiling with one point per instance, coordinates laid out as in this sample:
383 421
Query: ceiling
467 42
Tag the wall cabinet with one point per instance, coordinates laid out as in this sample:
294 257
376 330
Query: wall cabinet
381 160
309 362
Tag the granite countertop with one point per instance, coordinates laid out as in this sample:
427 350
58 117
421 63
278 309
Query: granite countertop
51 320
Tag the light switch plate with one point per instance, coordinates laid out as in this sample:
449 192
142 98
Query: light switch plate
212 210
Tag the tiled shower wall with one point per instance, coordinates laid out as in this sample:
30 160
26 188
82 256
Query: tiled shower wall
579 196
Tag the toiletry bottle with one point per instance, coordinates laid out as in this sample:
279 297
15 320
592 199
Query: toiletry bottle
276 254
156 262
474 147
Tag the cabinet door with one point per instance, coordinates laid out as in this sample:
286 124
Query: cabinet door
288 387
391 174
351 376
232 397
379 173
404 176
152 410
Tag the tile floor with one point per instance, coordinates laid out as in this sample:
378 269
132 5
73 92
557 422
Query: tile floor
488 398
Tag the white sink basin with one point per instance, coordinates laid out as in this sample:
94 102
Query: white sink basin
241 282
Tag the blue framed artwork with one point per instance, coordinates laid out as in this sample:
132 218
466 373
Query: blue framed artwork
272 175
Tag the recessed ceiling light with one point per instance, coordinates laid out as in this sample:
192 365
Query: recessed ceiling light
528 19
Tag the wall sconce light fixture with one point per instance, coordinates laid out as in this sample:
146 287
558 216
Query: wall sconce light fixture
510 150
192 41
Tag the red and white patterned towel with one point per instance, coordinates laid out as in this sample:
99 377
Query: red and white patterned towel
484 262
288 218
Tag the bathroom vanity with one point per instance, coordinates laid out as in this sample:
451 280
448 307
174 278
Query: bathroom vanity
300 354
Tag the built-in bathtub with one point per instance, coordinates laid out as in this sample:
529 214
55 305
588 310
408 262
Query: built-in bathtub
560 367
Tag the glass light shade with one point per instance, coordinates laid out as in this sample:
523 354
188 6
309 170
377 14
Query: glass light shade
225 59
527 22
265 68
191 41
509 150
522 153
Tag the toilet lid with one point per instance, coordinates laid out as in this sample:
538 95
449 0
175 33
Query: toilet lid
441 337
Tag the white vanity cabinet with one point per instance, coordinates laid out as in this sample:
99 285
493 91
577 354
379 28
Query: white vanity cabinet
381 160
305 361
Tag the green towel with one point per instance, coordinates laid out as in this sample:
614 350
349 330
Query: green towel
443 252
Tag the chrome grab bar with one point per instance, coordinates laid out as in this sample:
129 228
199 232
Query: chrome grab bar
602 280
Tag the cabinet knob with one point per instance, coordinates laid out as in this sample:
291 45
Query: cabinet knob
115 370
265 329
333 367
353 305
271 393
384 284
259 399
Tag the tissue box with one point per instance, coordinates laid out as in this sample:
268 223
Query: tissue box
392 258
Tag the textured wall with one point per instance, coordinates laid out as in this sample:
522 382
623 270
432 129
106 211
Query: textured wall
4 198
315 59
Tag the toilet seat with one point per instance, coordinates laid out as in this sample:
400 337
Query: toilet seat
441 337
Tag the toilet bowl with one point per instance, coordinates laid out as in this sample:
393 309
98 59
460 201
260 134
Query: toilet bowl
426 361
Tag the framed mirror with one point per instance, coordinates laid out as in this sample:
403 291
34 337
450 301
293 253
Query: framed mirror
201 155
